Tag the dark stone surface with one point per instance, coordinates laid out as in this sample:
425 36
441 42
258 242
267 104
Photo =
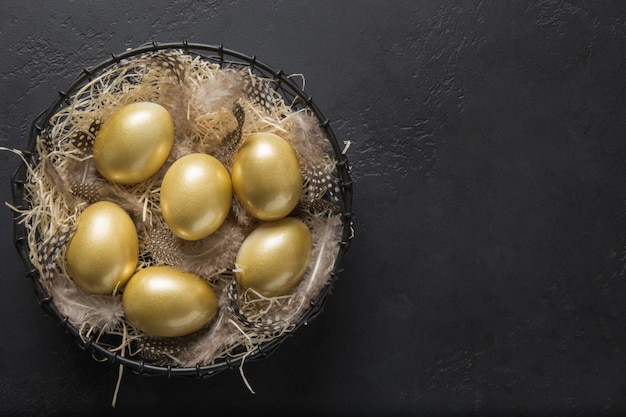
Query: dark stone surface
488 142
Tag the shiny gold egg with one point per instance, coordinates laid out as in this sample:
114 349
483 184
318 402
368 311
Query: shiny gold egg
134 142
167 302
196 196
266 176
103 252
274 257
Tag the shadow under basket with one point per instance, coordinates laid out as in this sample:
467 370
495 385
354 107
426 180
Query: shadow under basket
266 99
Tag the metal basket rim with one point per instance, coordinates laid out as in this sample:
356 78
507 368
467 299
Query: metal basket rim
222 56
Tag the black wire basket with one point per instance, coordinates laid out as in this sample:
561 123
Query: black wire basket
100 347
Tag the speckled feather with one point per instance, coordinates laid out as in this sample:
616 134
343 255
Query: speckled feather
320 182
259 92
90 192
171 65
49 250
84 141
314 206
48 144
268 327
231 141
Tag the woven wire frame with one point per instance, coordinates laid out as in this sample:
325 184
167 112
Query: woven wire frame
226 58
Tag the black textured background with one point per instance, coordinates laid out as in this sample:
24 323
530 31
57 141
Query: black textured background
488 141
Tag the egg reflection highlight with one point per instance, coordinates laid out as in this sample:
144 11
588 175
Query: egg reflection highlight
168 302
273 258
103 252
266 176
134 142
196 196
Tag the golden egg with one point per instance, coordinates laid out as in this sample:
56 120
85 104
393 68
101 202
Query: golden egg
167 302
196 195
103 252
134 142
266 176
274 257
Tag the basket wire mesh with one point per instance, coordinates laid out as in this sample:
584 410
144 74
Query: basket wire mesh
225 58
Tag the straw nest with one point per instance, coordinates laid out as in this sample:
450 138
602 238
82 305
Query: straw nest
213 108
